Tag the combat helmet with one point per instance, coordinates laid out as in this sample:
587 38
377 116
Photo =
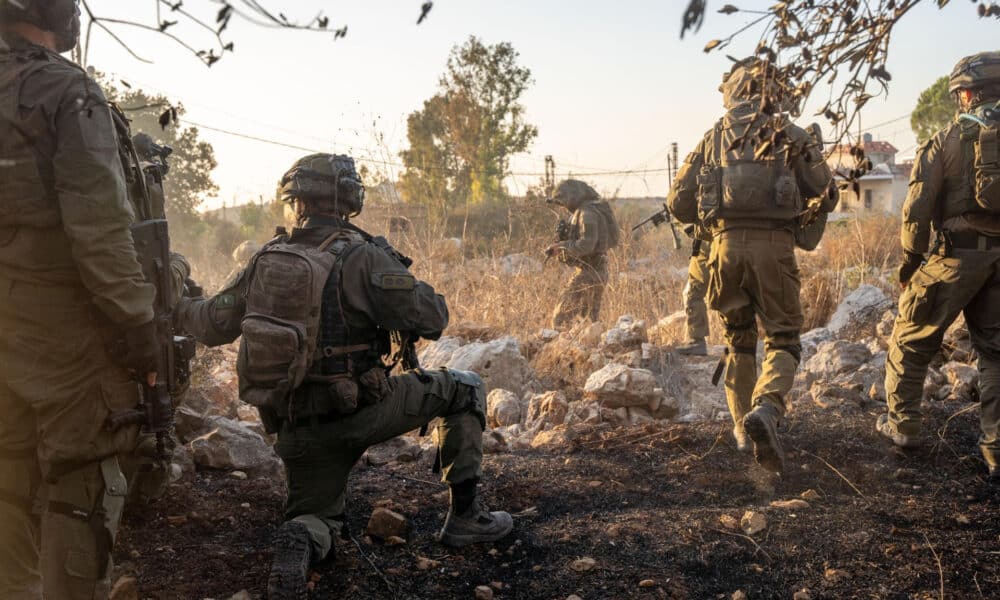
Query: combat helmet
327 182
975 72
572 193
744 80
61 17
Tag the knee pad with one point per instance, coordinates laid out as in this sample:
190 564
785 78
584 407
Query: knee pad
787 342
470 395
742 339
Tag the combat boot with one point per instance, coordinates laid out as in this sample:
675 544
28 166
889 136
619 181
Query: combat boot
696 347
761 426
474 525
290 563
888 430
740 435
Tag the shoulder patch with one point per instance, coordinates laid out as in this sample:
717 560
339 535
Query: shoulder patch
226 301
394 281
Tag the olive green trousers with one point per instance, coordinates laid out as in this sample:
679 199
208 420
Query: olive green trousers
694 294
753 278
582 296
969 282
319 456
62 487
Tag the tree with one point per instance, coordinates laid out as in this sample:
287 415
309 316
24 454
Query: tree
462 140
840 45
935 109
189 181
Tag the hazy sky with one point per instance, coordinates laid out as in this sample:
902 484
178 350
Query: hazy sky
613 82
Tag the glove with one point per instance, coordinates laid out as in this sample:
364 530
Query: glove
137 350
910 265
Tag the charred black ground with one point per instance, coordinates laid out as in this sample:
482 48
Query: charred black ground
645 503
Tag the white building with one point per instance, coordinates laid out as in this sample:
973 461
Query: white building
883 188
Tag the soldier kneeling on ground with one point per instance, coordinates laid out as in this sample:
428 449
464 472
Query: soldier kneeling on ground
316 308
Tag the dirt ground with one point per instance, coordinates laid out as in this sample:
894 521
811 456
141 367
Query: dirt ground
644 503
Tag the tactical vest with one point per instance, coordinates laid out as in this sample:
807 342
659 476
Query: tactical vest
734 186
294 330
609 236
977 188
27 147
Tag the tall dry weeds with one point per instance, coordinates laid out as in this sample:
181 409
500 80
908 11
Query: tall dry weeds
647 275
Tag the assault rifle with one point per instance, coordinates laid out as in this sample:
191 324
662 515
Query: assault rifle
152 245
562 228
659 218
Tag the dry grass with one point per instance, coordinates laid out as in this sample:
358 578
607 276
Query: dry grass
647 274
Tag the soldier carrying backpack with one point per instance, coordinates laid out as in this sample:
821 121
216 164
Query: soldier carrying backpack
955 192
752 201
315 309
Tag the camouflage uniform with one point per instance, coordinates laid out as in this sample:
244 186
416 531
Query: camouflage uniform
753 275
593 231
962 275
346 403
70 283
694 293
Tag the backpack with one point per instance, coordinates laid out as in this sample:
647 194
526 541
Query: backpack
281 325
611 225
986 162
739 186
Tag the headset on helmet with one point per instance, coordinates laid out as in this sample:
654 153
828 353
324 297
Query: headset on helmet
329 181
61 17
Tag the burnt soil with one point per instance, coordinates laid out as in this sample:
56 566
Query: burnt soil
645 503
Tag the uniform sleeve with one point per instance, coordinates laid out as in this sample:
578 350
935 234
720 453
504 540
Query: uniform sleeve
93 203
683 197
922 196
217 320
180 270
812 174
378 289
590 235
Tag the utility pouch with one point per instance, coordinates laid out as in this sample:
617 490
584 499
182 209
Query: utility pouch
709 195
344 394
987 169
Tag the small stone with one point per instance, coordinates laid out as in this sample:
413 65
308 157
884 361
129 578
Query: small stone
793 504
536 568
753 522
582 565
241 475
126 588
241 595
493 552
739 595
835 575
385 524
729 522
177 520
245 505
484 592
810 495
573 597
595 484
497 585
962 520
394 540
802 594
426 564
134 554
647 583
